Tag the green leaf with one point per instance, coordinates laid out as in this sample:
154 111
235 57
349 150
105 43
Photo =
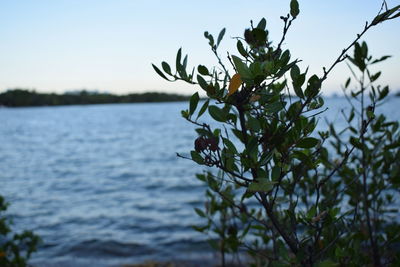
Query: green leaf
210 39
185 114
379 18
253 124
383 93
202 70
194 100
252 147
314 84
229 145
294 72
220 36
203 132
327 263
266 157
159 72
297 81
200 229
380 59
370 114
305 159
298 91
294 109
364 50
307 142
178 59
311 212
166 67
274 107
262 185
196 157
216 113
242 68
203 84
262 24
240 48
184 64
354 141
238 134
203 109
200 212
294 8
285 57
386 15
275 173
260 36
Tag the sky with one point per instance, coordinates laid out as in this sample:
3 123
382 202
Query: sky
64 45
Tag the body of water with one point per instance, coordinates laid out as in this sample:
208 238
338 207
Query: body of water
102 183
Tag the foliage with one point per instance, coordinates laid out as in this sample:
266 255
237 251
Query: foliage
285 194
20 98
15 249
368 184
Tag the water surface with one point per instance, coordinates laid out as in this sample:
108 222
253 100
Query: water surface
102 183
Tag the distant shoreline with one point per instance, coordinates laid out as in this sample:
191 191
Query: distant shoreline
29 98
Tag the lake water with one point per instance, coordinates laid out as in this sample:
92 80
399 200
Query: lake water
102 185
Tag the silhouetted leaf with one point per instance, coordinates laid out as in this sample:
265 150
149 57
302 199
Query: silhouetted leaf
194 100
380 59
178 60
375 76
383 93
203 108
166 67
202 70
294 72
159 72
262 24
355 142
200 212
297 79
220 36
307 142
184 64
216 113
240 48
294 8
203 84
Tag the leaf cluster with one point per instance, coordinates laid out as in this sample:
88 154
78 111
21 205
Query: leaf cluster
15 249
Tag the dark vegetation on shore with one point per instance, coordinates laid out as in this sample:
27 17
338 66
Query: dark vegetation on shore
24 98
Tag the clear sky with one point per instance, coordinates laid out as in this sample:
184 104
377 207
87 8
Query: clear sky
59 45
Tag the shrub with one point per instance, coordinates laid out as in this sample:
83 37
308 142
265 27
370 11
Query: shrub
15 249
285 194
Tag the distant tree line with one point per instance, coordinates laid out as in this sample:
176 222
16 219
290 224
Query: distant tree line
22 97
